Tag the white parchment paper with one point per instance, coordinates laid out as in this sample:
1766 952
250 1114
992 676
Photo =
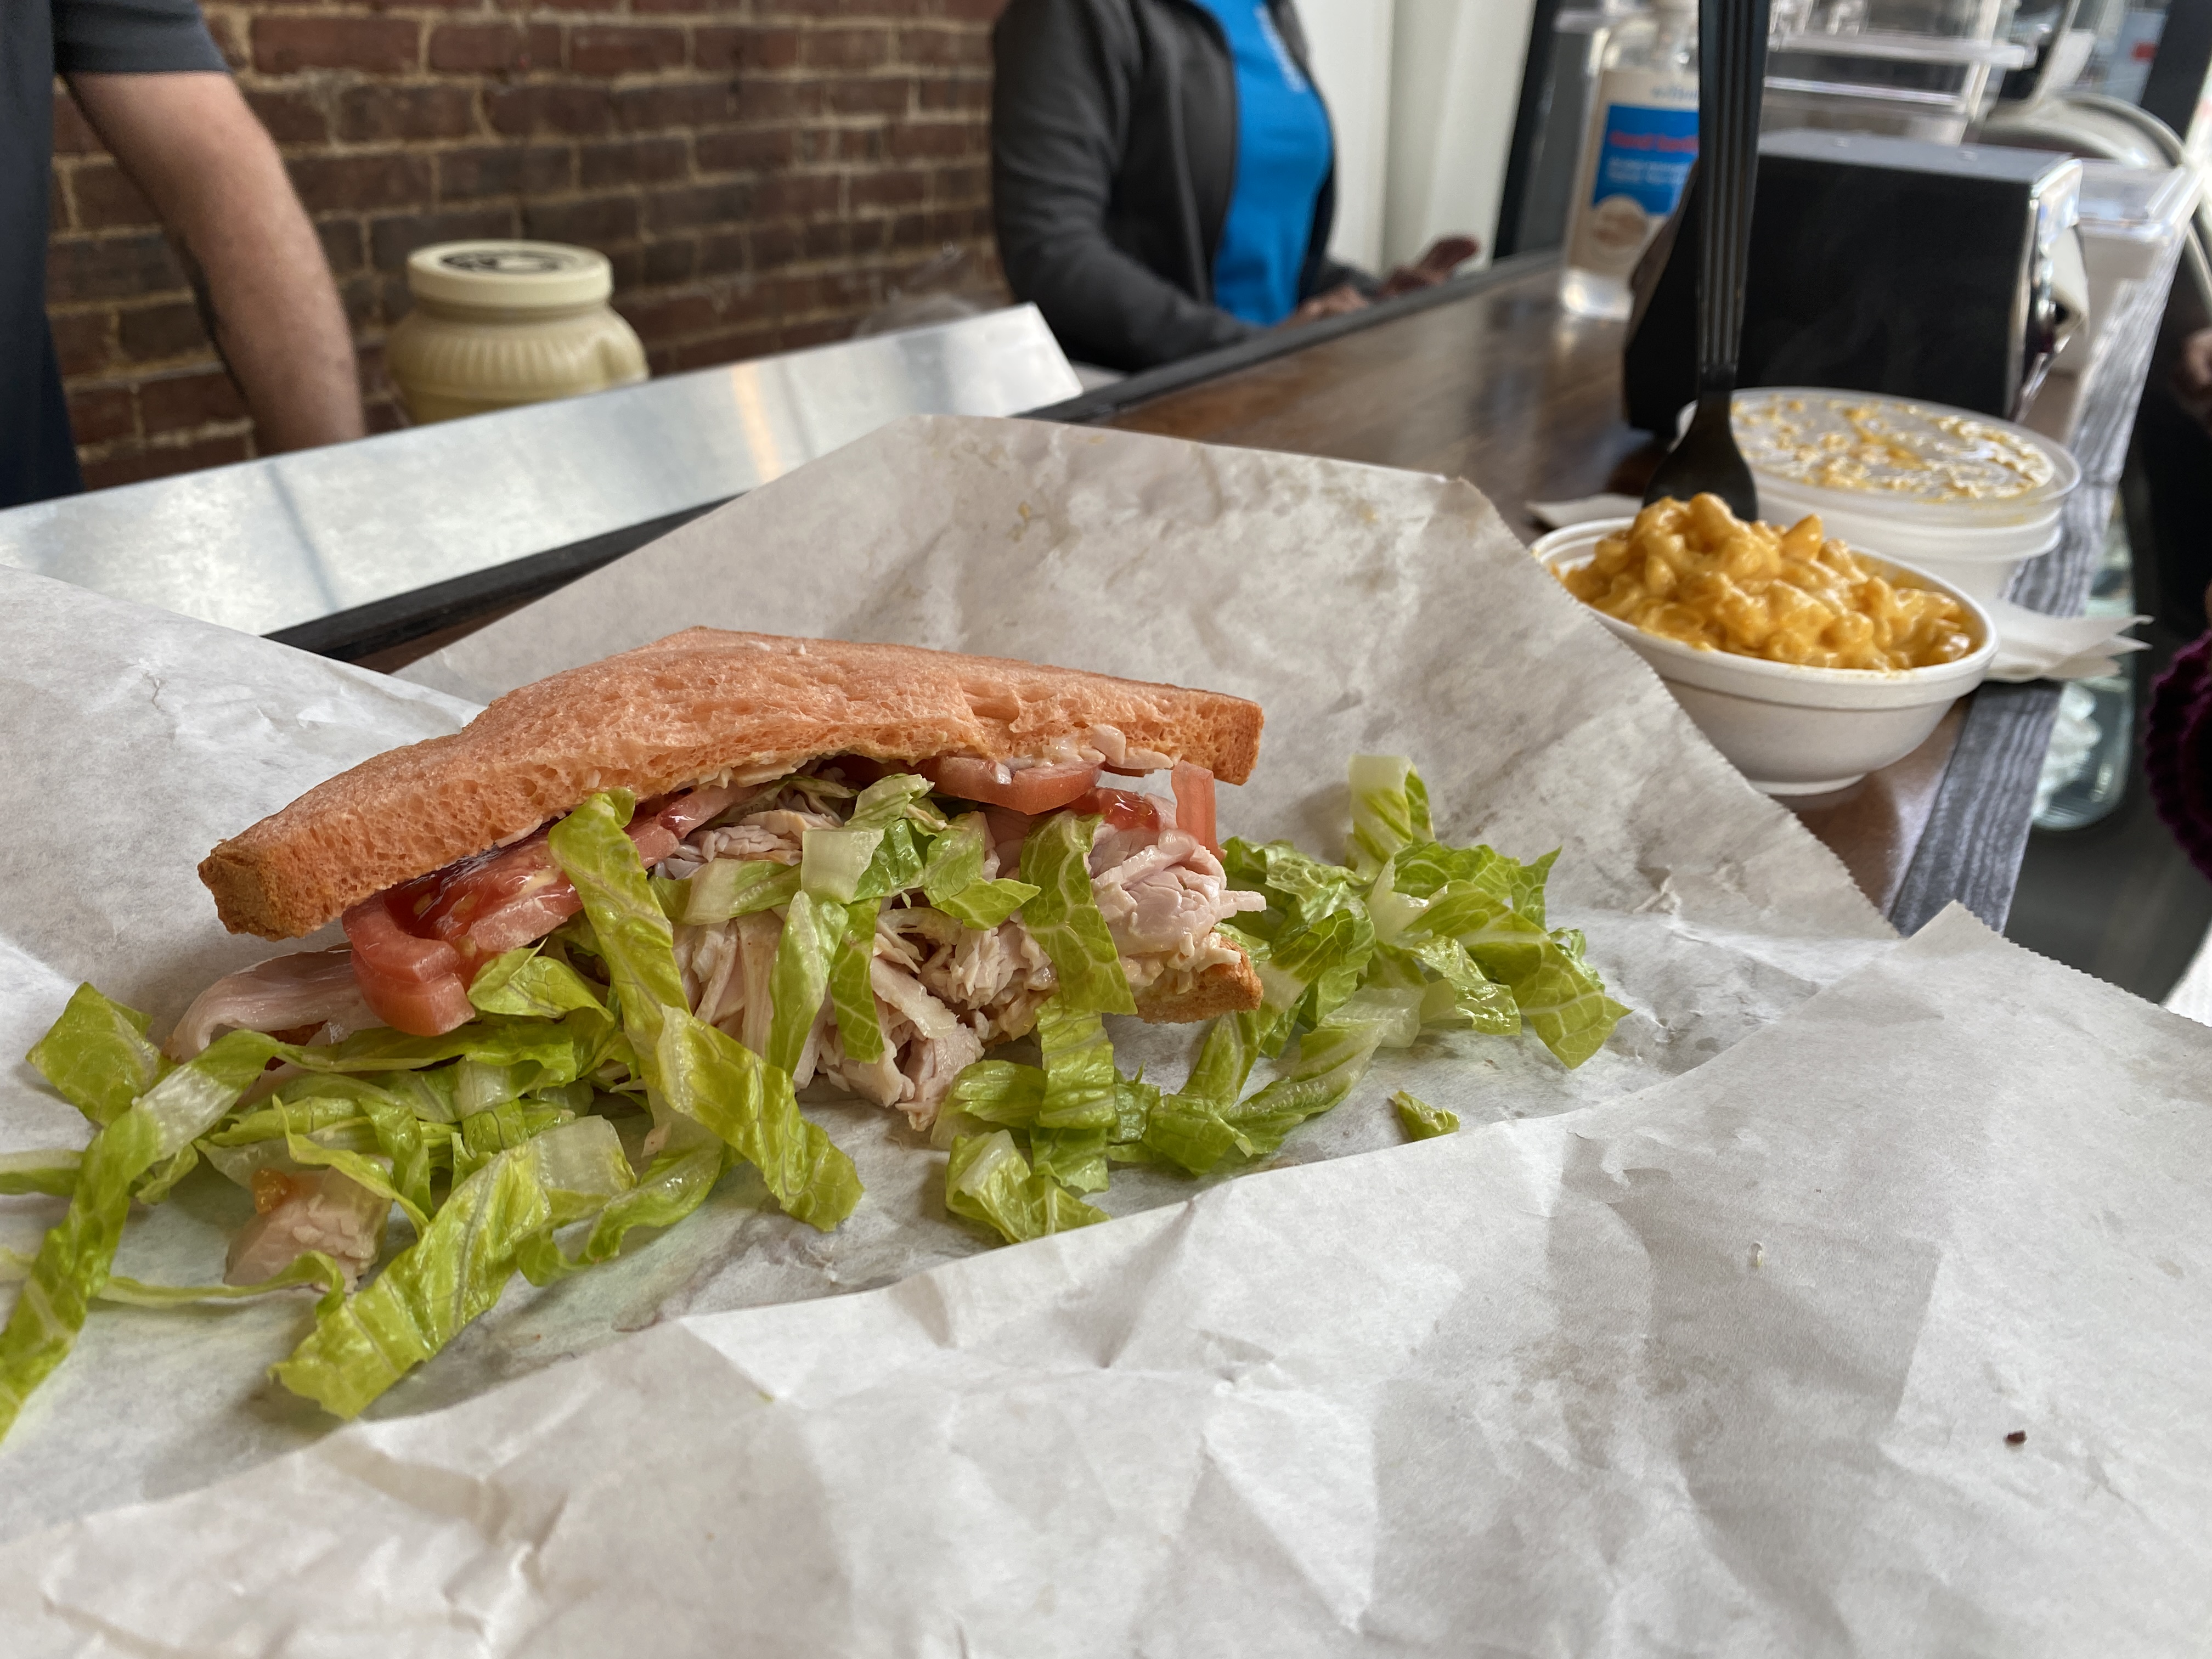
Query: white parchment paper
1727 1367
1365 608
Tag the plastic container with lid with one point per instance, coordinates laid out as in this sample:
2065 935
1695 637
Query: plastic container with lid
1965 497
500 324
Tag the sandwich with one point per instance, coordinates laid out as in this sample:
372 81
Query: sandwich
1003 824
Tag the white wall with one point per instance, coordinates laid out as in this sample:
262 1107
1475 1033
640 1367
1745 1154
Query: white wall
1349 42
1455 84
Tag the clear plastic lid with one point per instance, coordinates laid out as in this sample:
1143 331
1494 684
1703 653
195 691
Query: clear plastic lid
1869 453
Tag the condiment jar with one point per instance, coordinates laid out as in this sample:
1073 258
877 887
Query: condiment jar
499 324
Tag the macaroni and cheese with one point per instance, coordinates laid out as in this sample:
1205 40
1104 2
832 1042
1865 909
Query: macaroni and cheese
1698 574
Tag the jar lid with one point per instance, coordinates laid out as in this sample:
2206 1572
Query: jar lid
509 275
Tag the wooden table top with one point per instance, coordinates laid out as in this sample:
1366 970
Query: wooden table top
1500 386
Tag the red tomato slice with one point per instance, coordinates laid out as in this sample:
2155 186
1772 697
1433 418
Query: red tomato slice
508 898
1194 793
1028 789
1123 809
413 985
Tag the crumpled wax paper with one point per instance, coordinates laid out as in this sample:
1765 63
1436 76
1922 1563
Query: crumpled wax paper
1883 1333
1365 608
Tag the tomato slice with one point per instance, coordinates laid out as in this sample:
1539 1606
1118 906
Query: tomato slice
1028 789
1194 793
1122 808
413 985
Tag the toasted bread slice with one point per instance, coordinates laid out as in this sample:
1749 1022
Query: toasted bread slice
701 704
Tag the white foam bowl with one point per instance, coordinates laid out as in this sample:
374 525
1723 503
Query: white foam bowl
1789 729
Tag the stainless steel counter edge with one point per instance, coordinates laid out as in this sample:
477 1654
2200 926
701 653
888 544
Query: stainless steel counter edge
272 545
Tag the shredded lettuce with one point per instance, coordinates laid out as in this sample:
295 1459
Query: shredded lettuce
812 929
98 1055
725 889
691 1069
989 1181
952 877
852 993
1389 810
1422 1122
52 1172
456 1268
524 983
1064 917
73 1258
676 1184
309 1268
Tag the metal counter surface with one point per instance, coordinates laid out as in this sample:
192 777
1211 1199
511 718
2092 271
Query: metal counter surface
346 546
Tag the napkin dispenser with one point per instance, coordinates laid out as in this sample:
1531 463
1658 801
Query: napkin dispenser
1877 264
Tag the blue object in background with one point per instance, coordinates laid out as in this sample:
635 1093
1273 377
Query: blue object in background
1284 151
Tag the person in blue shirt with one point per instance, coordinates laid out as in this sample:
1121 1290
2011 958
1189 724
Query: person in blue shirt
1163 176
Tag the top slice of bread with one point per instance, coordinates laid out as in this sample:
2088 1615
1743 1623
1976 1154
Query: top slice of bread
691 706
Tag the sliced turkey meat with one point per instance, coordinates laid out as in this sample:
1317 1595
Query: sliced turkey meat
311 1210
285 994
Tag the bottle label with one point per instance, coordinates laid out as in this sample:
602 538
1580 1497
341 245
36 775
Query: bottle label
1645 144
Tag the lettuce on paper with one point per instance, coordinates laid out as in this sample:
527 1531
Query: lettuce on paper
1410 937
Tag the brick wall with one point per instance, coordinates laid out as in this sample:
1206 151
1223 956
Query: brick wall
760 172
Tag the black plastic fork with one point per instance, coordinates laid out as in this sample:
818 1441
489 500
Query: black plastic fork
1731 77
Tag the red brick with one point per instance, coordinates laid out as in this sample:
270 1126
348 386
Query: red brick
292 118
111 267
770 245
578 110
730 250
381 111
675 104
229 39
646 6
342 244
166 329
165 461
599 51
733 347
354 183
503 170
850 144
938 47
972 11
698 206
380 45
798 337
359 294
970 96
391 241
180 402
830 48
879 94
751 49
665 318
634 161
910 139
906 188
73 134
101 414
595 222
794 195
745 150
493 48
105 200
671 261
81 340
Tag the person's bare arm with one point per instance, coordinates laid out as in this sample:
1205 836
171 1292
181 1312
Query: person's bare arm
203 161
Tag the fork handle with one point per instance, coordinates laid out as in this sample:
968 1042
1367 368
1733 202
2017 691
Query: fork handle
1731 80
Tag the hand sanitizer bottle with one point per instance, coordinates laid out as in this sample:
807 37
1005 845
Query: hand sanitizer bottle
1643 137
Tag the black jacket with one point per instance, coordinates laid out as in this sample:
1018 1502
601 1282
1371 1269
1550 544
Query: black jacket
1113 157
